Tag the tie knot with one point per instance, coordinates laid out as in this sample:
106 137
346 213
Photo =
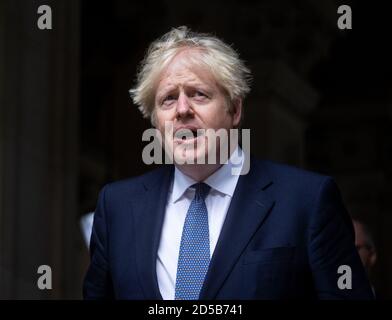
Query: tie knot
202 190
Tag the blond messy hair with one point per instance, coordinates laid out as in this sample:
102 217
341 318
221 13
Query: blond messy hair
221 59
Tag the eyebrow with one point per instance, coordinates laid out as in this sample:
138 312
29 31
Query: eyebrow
160 94
171 88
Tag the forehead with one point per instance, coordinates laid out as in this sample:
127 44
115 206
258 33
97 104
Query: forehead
187 67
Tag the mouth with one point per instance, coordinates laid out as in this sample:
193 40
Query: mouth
188 134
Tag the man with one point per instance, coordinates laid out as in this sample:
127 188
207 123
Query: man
366 247
195 230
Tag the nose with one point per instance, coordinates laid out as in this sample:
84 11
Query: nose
183 106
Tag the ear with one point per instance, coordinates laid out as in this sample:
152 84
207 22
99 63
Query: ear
237 112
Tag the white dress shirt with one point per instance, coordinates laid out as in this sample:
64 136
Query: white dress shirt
222 183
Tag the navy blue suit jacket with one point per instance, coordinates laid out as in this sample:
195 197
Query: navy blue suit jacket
285 235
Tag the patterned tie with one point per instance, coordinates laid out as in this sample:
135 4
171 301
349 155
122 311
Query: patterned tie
194 256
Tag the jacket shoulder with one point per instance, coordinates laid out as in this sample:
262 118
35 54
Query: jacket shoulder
285 172
137 184
291 180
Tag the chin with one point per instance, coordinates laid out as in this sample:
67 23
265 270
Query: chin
187 155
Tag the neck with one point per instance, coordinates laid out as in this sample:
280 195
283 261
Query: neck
198 172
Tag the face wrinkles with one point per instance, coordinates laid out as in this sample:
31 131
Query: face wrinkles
195 88
189 97
183 80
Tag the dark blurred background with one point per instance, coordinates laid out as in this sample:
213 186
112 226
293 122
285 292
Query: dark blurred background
321 100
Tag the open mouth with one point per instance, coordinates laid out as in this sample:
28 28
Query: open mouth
188 134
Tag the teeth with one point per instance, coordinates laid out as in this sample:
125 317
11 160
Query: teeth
186 134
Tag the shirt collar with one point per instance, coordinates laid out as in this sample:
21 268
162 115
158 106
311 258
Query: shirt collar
223 180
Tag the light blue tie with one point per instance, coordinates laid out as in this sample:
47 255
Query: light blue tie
194 256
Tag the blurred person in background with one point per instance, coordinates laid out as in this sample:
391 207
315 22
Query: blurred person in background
365 246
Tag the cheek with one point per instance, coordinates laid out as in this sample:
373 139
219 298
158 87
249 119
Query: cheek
224 114
164 123
161 117
166 114
216 116
222 119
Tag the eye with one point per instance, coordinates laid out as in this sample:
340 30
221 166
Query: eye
199 95
168 99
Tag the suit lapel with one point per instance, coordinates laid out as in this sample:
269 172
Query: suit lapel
248 209
149 213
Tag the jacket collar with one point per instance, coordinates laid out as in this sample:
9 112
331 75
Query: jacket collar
248 209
